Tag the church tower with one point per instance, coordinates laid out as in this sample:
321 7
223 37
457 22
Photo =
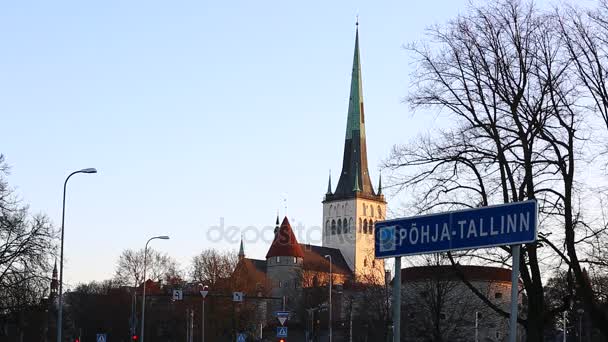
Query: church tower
351 211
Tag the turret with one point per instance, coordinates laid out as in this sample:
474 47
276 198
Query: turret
284 262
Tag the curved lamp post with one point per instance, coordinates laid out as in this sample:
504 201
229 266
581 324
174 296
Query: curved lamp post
330 276
143 301
60 314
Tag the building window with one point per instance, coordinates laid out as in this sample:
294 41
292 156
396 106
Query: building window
327 227
364 210
278 260
371 211
280 283
364 226
339 226
350 225
333 227
497 334
372 224
365 263
360 225
295 260
379 213
373 263
498 295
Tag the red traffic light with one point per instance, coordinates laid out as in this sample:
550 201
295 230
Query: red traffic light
76 339
134 338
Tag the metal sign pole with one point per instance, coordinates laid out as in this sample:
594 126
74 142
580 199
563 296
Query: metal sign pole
515 251
397 301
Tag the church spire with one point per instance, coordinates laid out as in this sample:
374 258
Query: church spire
354 161
329 184
380 184
241 250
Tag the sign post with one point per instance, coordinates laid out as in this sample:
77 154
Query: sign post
515 251
204 293
511 224
397 301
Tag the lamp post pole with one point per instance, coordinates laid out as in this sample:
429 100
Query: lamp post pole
60 313
330 286
143 300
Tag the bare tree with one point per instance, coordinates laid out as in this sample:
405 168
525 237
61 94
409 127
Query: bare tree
504 76
159 267
211 265
26 245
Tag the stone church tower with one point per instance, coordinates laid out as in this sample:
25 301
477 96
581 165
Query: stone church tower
351 211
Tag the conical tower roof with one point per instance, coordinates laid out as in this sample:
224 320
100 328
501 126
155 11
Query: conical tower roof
285 243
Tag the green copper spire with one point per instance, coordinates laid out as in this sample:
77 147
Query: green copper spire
354 162
356 187
329 184
355 124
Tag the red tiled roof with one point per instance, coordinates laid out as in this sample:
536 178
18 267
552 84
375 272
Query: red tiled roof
285 243
314 259
447 272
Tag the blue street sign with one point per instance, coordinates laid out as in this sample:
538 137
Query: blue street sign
281 331
499 225
101 338
241 338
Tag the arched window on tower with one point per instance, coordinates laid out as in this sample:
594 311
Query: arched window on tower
333 227
364 210
360 225
364 226
350 225
371 210
339 226
365 262
327 227
379 213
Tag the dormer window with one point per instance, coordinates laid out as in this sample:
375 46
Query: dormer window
295 260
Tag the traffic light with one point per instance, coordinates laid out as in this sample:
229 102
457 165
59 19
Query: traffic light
281 340
134 338
76 339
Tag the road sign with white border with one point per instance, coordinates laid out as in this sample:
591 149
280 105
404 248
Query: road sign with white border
282 316
498 225
281 331
237 296
101 338
204 294
178 295
241 338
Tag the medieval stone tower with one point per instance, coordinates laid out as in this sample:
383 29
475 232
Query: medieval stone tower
284 262
351 211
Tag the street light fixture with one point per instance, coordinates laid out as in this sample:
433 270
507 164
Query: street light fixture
60 313
143 300
330 285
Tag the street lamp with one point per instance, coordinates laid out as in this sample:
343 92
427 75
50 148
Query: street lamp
60 314
330 276
143 300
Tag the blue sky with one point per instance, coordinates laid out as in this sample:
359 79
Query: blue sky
194 111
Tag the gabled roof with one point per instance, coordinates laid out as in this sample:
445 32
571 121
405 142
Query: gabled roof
285 242
259 265
314 259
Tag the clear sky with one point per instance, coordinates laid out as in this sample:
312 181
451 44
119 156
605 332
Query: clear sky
193 111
